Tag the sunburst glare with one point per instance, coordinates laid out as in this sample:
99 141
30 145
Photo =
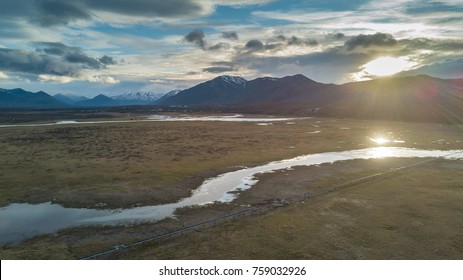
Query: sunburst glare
384 66
380 140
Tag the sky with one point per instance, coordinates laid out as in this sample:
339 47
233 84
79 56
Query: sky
91 47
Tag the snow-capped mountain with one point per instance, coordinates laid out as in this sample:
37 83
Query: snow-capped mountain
232 81
167 95
221 90
138 98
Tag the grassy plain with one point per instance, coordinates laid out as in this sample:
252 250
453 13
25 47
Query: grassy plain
139 163
413 214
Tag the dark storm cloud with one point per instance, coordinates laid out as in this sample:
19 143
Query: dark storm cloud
230 35
368 41
51 58
196 37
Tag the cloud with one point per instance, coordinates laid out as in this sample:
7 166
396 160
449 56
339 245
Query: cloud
149 8
370 41
335 5
218 69
107 60
293 40
49 60
431 7
441 45
336 36
196 37
447 68
3 75
59 13
219 46
53 78
221 67
254 45
103 79
278 44
63 12
56 48
230 35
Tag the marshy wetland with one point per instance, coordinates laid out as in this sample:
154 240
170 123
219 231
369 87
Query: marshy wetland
131 164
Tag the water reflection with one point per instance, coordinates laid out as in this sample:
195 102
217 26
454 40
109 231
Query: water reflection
21 221
383 140
382 152
380 140
157 118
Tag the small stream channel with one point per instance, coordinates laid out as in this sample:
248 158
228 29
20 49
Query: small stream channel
19 221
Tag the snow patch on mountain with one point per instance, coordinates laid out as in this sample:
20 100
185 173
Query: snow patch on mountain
233 81
147 96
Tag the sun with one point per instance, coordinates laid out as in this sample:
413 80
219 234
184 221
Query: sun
386 66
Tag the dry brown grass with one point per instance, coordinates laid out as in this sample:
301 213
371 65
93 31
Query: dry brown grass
155 162
414 214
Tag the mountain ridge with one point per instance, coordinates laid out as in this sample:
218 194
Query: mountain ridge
411 98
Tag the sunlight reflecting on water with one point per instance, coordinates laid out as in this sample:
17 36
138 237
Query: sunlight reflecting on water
380 140
382 152
383 140
22 221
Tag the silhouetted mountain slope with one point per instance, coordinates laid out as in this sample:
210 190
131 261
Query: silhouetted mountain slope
69 98
417 98
98 101
19 98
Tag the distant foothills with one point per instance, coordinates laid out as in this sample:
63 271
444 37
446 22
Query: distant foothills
414 98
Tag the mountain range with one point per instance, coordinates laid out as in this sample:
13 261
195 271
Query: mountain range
414 98
19 98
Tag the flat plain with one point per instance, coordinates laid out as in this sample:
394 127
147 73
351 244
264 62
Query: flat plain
414 213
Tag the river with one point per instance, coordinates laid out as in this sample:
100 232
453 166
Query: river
19 221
